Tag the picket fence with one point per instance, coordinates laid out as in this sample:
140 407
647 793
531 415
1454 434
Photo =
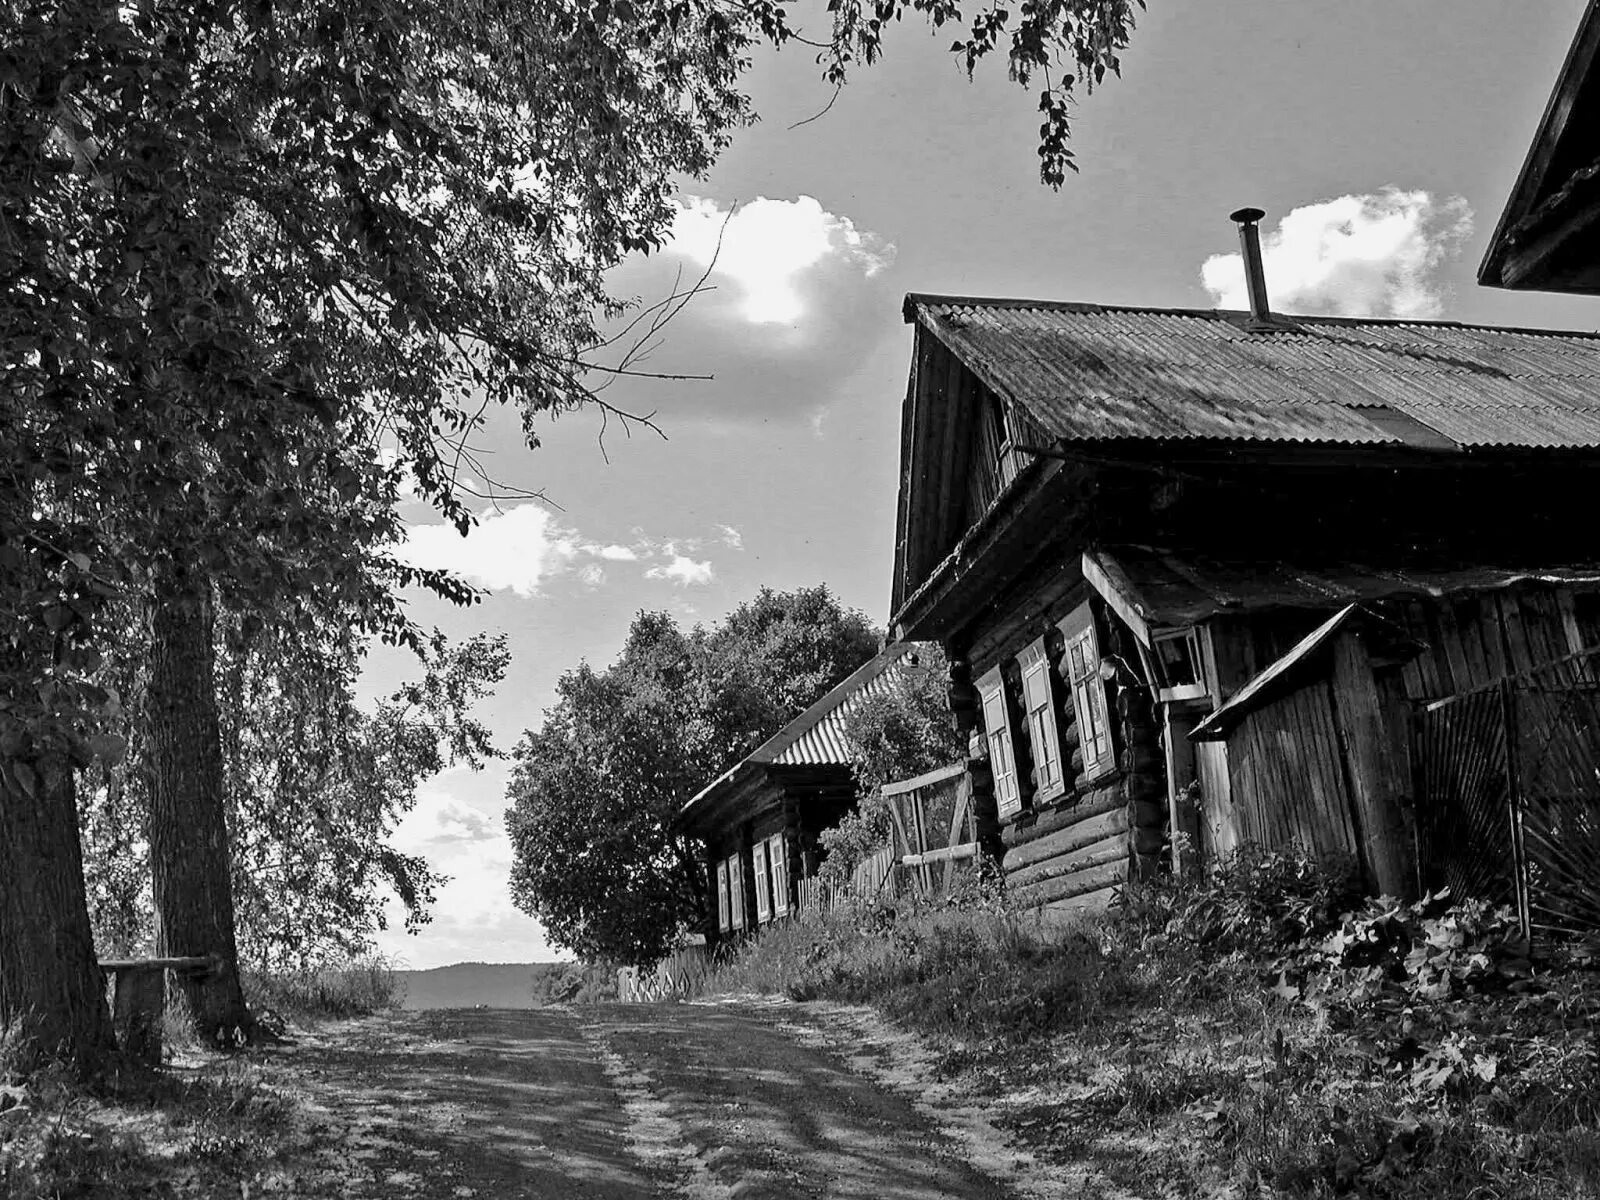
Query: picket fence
873 876
673 978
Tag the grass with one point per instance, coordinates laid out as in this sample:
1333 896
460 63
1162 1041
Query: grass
358 988
208 1125
1205 1041
209 1130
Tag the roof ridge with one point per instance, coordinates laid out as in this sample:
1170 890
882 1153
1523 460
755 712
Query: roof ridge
915 299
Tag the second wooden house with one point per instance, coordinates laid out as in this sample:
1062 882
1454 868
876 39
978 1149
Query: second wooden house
760 820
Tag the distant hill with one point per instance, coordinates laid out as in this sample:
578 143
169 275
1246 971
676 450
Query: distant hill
508 985
463 985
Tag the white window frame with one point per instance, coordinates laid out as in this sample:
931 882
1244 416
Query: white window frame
758 868
998 738
1044 738
1080 664
1189 635
736 918
778 866
724 912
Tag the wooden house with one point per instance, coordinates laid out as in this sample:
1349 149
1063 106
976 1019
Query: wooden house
1197 571
1548 237
760 819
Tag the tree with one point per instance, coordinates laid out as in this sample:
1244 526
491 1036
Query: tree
315 785
899 733
244 248
595 789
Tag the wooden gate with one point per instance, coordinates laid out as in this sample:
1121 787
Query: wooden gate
935 836
1510 796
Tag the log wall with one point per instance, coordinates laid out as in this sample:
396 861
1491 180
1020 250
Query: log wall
1078 849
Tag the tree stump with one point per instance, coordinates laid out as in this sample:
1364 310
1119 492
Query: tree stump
138 1004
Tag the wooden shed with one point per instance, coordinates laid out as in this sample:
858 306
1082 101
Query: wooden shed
1119 522
760 819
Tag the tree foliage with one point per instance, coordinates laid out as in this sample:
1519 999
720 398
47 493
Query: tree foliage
896 734
316 784
262 263
596 787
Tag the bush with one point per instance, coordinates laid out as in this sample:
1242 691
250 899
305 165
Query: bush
1257 902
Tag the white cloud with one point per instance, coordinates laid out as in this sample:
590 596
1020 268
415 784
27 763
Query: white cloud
517 549
767 246
1373 255
439 819
522 549
682 570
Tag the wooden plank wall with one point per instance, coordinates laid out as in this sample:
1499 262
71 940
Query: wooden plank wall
1286 778
1472 640
1079 850
1328 766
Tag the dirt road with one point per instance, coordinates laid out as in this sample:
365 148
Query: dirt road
704 1102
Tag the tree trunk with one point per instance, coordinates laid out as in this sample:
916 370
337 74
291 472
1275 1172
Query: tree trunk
189 855
52 997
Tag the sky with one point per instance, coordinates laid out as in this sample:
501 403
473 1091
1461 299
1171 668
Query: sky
1382 137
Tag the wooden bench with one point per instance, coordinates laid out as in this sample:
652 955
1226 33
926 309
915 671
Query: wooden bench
139 999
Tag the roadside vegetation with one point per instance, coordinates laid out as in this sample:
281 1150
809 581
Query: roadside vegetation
1260 1033
208 1124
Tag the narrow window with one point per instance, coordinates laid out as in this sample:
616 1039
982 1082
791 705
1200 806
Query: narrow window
763 896
997 730
1038 698
1082 668
778 864
1004 434
724 913
735 892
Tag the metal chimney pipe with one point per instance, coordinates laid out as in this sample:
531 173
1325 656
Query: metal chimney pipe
1255 275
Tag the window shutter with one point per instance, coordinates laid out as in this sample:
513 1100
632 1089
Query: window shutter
762 876
1081 665
1038 697
724 914
736 891
997 732
778 863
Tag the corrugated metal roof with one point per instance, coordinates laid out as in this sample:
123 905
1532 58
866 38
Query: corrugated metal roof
1087 372
825 741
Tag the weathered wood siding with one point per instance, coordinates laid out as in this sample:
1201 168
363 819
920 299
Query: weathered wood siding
1328 766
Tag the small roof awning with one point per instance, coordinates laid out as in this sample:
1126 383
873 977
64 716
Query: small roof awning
1272 682
1153 589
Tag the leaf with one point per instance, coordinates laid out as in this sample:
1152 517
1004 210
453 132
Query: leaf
1284 990
58 616
27 779
110 748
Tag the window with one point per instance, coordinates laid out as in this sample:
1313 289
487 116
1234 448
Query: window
1004 432
1179 664
724 913
1081 666
997 731
763 896
735 892
778 865
1038 698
